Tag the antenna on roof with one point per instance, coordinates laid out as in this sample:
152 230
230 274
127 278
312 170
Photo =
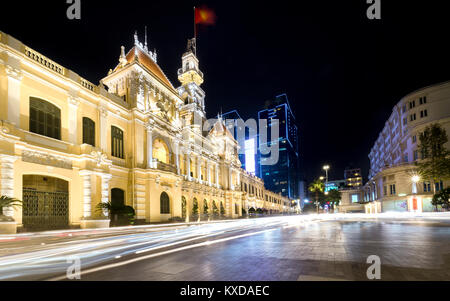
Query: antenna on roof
136 40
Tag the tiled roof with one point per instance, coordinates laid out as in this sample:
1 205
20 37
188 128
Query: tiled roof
148 63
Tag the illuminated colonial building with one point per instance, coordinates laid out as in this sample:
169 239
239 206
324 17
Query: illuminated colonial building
67 145
390 186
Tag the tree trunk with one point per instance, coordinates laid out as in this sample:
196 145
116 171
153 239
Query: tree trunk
317 202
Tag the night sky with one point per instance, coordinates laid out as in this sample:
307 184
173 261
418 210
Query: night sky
342 72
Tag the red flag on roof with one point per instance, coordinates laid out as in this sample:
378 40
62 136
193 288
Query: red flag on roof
204 15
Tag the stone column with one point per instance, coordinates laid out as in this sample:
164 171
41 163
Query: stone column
87 193
188 165
208 172
198 170
14 76
230 179
177 156
7 180
150 146
73 120
103 129
105 191
238 176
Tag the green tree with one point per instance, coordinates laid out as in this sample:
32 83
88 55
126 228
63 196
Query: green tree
435 163
222 209
120 214
317 187
442 198
334 197
215 210
183 208
205 208
7 202
195 207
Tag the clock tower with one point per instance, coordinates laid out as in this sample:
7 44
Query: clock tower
191 78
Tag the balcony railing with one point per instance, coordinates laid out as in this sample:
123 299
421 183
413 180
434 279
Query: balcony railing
166 167
44 61
181 71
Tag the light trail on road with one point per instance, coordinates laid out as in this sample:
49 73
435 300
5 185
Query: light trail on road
48 255
32 259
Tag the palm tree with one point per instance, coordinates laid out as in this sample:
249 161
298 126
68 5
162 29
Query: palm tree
317 187
7 202
105 207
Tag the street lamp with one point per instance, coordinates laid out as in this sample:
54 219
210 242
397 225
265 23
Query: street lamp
415 179
326 168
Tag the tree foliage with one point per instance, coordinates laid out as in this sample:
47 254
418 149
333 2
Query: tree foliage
205 207
195 207
435 162
317 187
215 210
6 202
120 214
222 209
334 197
442 198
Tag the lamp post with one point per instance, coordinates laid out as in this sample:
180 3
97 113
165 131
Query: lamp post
326 168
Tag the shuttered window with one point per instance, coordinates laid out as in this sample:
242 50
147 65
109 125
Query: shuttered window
88 131
45 118
117 143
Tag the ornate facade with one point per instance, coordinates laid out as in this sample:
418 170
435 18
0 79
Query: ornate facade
67 145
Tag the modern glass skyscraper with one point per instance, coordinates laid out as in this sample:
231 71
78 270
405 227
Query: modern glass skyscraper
248 144
284 176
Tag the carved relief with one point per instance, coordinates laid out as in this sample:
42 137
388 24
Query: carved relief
46 159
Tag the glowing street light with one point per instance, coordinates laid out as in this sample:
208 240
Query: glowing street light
326 168
415 179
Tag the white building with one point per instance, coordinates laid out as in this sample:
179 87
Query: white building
392 158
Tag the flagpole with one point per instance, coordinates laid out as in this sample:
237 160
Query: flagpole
195 34
195 26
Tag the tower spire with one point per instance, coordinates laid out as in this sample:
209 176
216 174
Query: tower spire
145 44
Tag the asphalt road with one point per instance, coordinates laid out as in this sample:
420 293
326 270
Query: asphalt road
328 247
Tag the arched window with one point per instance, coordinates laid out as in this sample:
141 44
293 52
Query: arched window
165 203
117 142
88 131
45 118
117 198
161 151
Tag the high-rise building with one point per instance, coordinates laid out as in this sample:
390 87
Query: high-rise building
248 141
284 175
353 177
